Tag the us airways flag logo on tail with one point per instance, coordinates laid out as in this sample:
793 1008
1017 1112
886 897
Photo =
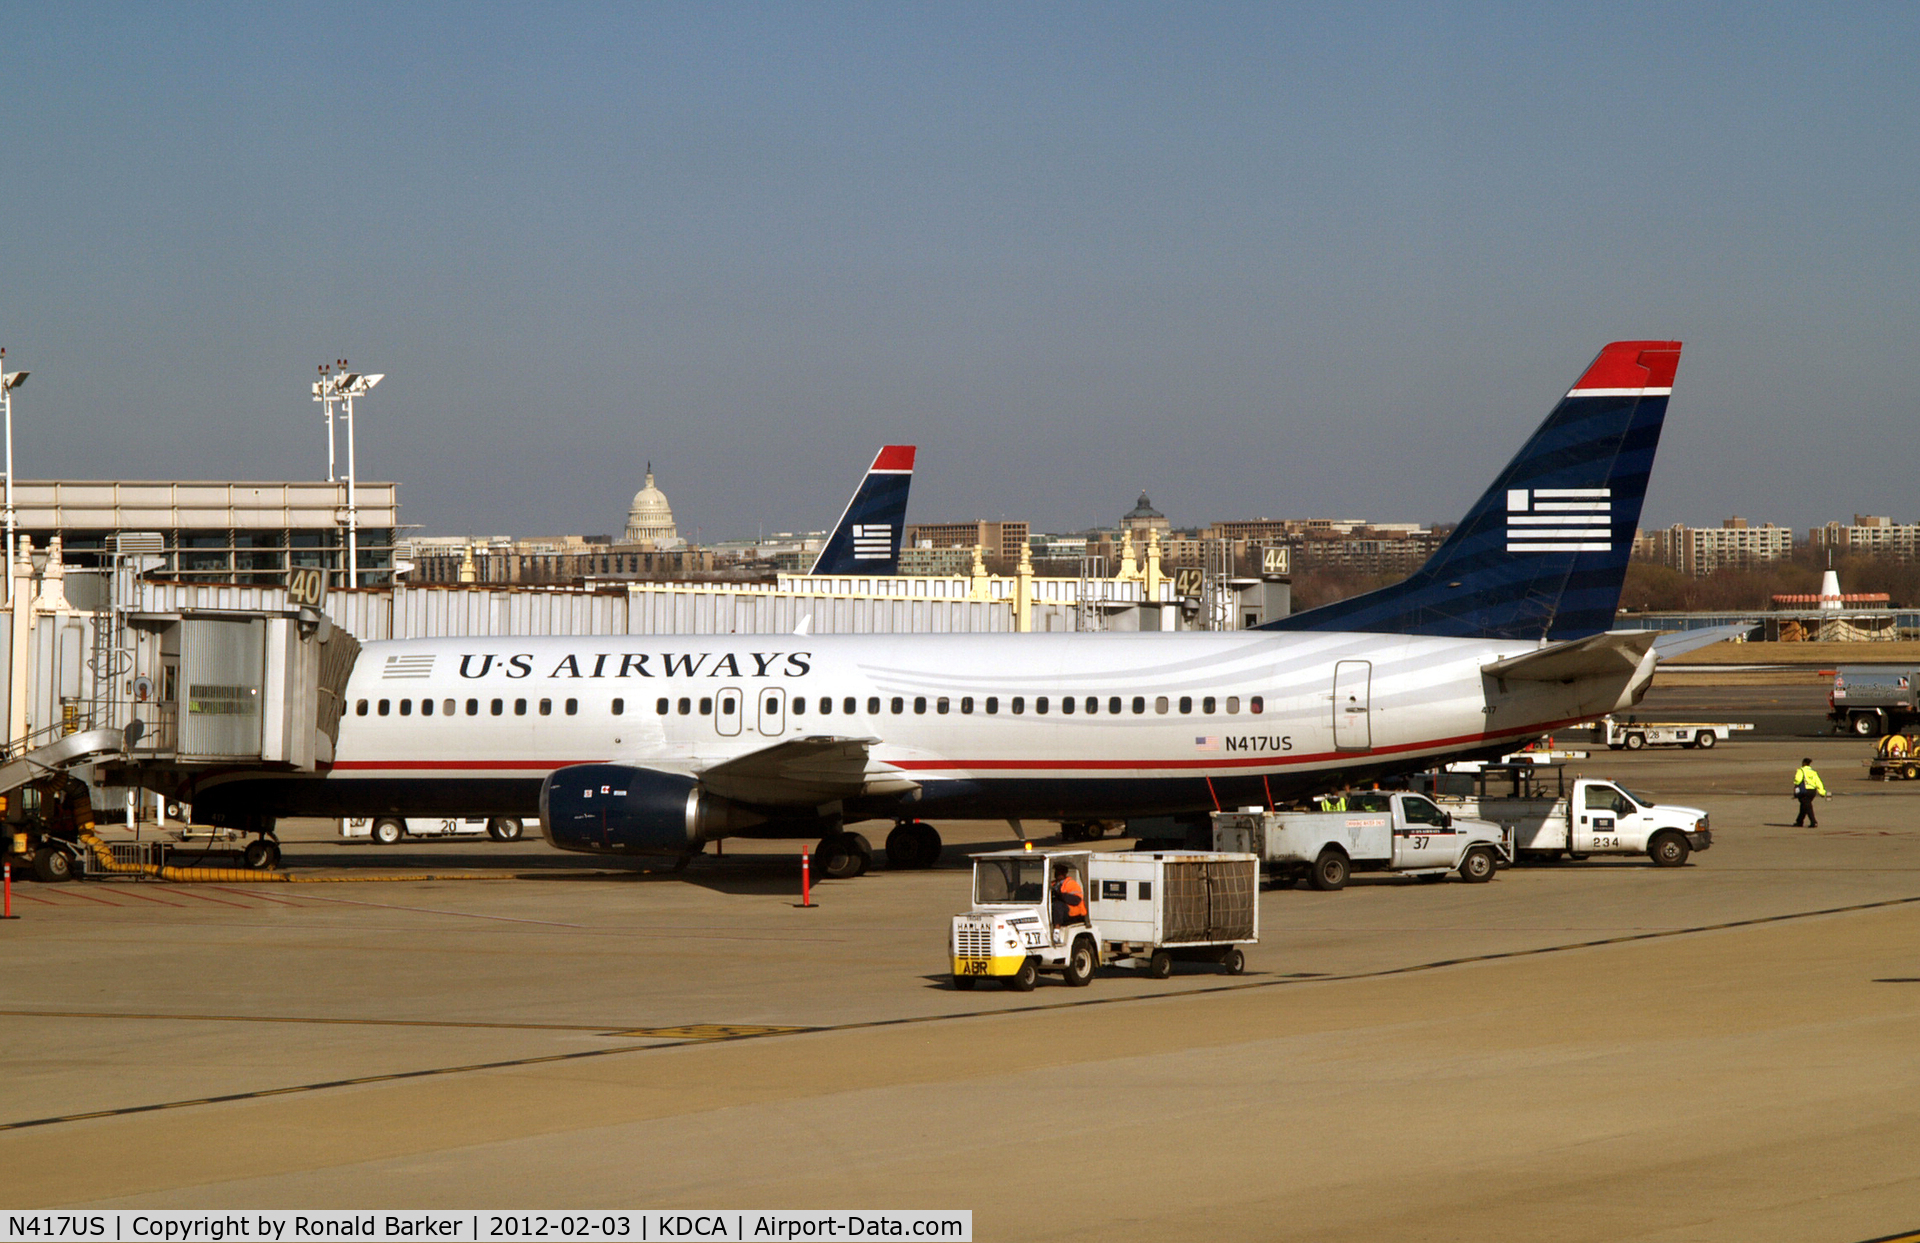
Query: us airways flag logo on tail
872 541
1559 519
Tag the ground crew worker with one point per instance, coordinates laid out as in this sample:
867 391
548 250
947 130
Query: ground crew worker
1069 900
1806 787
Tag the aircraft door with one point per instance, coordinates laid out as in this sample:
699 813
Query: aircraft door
773 710
729 711
1352 728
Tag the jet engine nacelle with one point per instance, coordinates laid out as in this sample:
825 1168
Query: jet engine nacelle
620 809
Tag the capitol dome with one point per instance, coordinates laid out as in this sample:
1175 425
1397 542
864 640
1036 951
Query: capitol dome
650 518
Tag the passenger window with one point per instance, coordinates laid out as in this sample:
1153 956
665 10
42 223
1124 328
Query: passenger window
519 707
1018 705
1207 705
919 705
447 707
619 707
726 705
1066 704
406 707
873 705
1113 705
1139 704
1233 704
546 707
573 707
940 705
1160 703
1186 704
473 707
426 707
706 705
799 705
660 706
899 705
1093 704
993 704
383 707
1040 705
686 706
826 705
966 705
360 709
1256 705
499 706
850 705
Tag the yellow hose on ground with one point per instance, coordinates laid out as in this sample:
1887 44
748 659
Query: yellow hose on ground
103 858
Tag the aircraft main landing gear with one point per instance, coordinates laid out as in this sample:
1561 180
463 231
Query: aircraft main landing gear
843 856
913 844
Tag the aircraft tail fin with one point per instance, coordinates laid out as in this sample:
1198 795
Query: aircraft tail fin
867 538
1543 553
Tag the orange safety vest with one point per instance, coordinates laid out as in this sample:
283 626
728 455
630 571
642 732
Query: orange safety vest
1074 897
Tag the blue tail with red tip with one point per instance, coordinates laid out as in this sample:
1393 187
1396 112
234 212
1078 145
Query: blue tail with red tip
867 538
1543 554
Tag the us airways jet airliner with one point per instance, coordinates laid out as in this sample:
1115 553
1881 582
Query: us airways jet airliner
659 744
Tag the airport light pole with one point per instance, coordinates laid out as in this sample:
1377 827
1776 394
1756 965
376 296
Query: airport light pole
344 386
9 380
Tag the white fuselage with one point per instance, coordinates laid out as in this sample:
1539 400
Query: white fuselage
1157 723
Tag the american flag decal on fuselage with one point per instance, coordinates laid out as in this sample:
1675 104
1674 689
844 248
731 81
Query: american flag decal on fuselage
872 542
1560 520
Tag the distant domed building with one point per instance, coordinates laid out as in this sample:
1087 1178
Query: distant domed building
650 518
1143 517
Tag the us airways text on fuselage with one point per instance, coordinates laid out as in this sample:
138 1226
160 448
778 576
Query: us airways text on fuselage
643 665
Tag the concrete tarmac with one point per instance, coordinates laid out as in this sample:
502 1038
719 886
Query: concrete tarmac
1597 1050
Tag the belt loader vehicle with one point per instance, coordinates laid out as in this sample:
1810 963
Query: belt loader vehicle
1633 734
1374 832
1142 907
1551 816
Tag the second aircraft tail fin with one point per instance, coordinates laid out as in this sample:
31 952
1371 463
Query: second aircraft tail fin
867 538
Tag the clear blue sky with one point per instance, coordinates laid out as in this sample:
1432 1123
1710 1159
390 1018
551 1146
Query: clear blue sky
1258 260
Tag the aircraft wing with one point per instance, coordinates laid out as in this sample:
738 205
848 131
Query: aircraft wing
1612 653
805 772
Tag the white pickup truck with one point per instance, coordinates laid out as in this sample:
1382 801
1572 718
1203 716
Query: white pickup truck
1374 832
1633 734
1551 816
